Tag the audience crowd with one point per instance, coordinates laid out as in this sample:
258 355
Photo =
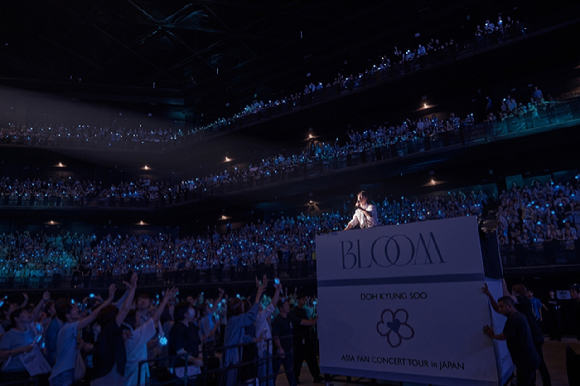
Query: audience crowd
540 213
509 108
36 192
392 64
387 139
384 141
47 135
531 214
104 340
279 242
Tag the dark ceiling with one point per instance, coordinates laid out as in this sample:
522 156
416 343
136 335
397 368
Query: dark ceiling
138 42
218 54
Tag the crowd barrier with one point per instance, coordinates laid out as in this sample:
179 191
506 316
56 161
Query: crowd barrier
251 370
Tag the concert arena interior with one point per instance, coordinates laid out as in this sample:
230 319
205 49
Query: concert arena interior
207 145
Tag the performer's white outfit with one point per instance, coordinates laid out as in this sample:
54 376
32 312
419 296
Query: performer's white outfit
361 219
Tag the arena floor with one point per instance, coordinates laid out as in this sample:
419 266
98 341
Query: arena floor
554 353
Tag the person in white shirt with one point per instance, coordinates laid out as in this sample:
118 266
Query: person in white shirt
365 215
136 345
264 332
63 371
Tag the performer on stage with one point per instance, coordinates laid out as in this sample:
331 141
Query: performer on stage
365 215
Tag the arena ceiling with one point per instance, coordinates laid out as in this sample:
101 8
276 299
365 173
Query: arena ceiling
214 53
137 42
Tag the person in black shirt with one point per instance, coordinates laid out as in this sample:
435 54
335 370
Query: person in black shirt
554 318
184 338
282 332
304 344
524 305
516 332
575 296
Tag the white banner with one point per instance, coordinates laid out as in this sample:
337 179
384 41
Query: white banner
403 303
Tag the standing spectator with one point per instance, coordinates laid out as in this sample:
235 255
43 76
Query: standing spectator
137 344
536 306
575 296
184 339
52 331
554 318
282 333
63 371
207 324
20 339
235 333
264 330
523 305
304 345
516 332
110 356
142 315
537 94
488 105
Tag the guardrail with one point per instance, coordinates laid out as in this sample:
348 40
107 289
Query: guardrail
538 121
256 370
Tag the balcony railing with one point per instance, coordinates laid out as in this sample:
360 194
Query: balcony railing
552 253
551 118
545 254
242 273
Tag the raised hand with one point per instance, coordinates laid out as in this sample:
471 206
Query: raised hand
46 296
171 293
485 290
134 278
112 289
265 281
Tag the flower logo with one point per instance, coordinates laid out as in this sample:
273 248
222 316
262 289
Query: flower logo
394 326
